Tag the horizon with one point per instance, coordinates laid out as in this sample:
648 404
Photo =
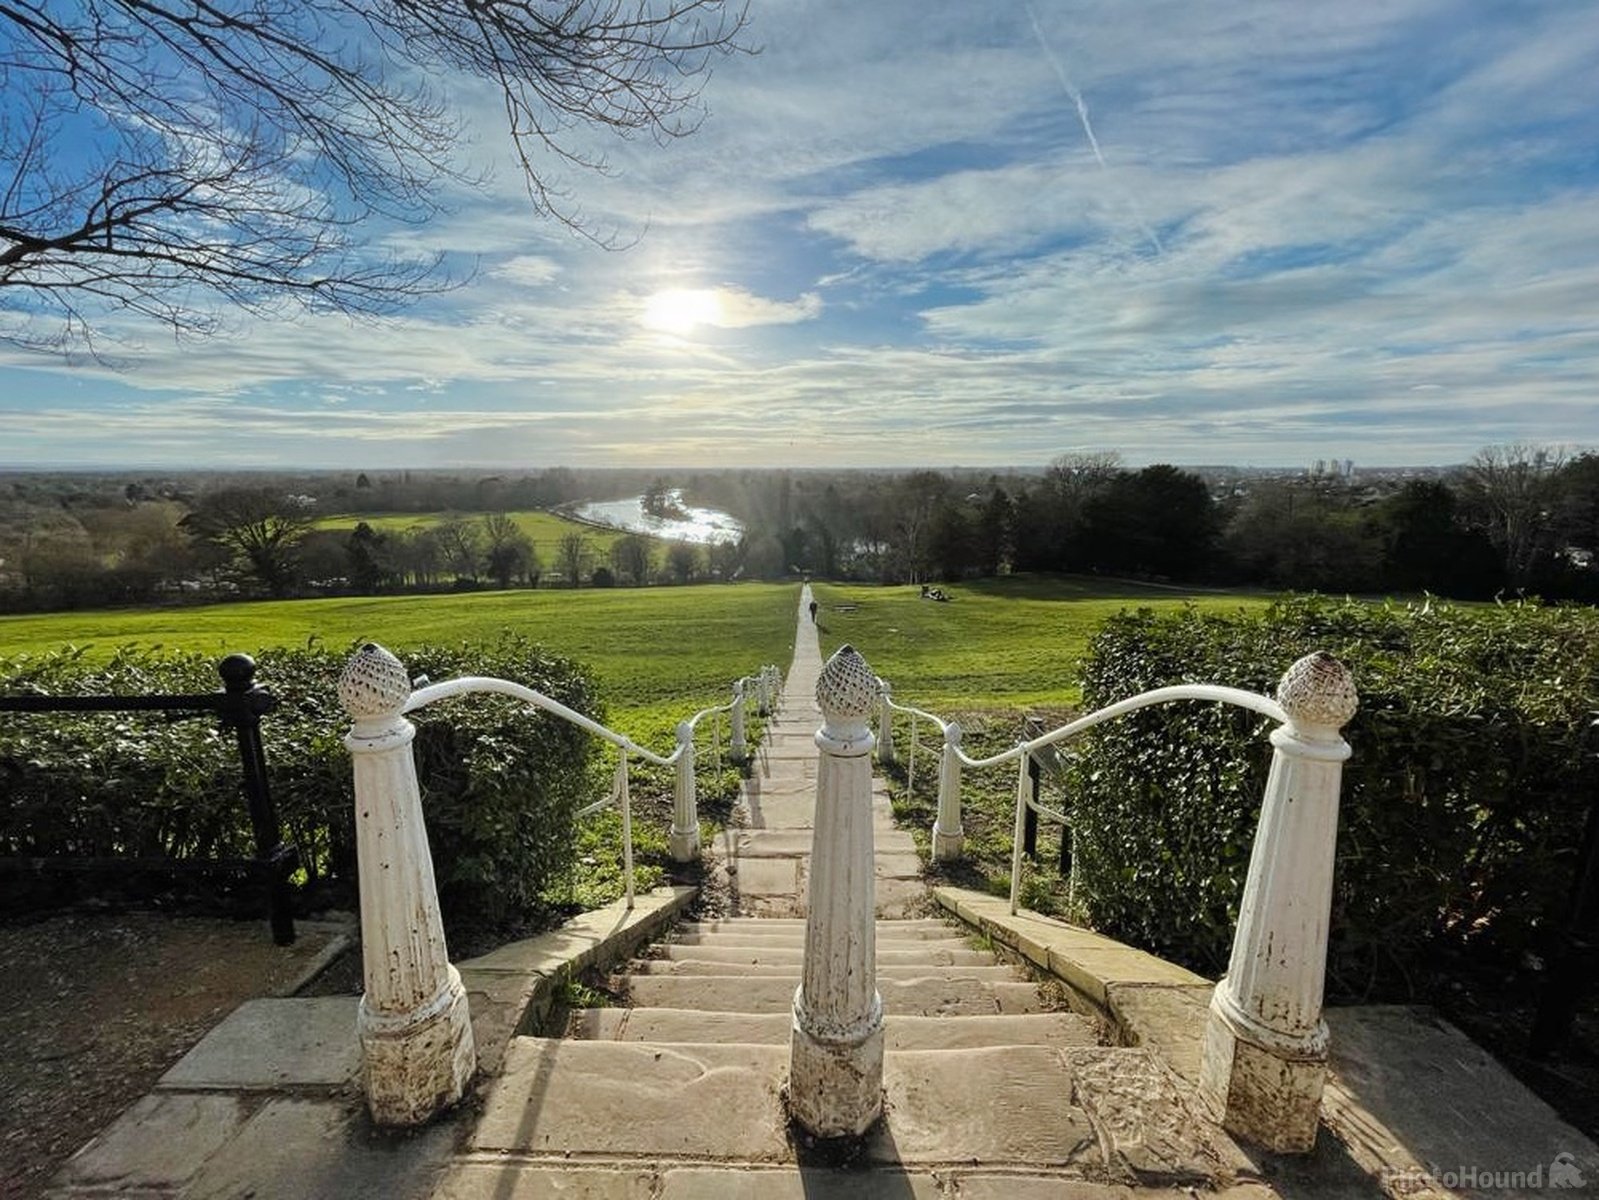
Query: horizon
899 240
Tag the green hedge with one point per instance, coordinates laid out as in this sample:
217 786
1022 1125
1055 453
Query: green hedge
1463 803
499 783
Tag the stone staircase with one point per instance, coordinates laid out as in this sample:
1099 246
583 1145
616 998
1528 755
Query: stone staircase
992 1087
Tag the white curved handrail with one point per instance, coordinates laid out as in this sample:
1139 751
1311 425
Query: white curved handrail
682 757
1024 750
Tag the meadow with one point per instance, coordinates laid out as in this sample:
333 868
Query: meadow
1013 641
655 651
544 529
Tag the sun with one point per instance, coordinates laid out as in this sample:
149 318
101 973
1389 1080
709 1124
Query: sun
682 310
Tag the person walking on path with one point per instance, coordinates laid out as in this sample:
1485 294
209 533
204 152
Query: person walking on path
813 612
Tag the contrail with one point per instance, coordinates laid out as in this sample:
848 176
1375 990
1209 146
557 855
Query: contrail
1076 96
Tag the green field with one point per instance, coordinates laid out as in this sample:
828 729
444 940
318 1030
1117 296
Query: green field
544 528
1017 640
662 649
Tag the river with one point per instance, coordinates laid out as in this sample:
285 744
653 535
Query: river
703 525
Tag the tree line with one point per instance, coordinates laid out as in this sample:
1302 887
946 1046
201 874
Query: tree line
1516 519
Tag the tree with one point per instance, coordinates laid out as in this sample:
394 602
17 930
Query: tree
231 153
461 547
1511 489
683 559
509 552
572 555
630 558
259 528
368 566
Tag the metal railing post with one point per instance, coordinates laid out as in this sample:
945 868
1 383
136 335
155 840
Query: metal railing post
416 1038
885 724
246 702
1265 1049
739 748
835 1086
948 836
684 840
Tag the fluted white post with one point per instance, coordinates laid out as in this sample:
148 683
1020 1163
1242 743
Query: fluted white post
885 725
740 748
763 692
684 841
835 1086
948 836
1265 1053
416 1038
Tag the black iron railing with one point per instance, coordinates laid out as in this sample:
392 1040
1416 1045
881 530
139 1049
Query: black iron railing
240 705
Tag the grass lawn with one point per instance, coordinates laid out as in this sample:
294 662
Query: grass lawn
544 528
655 651
1014 641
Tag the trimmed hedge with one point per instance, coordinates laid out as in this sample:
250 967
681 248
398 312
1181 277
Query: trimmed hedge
499 782
1463 804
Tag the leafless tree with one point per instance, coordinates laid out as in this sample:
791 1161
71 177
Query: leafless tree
1511 490
572 555
176 159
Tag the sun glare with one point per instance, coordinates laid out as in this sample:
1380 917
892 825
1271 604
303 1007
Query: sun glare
682 310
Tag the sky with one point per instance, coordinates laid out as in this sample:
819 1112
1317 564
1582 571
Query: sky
942 234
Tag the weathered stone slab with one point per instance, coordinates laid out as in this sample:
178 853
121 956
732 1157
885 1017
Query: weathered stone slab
669 1025
928 997
635 1098
805 1183
160 1142
512 1180
302 1149
269 1043
888 952
1005 1105
768 876
991 973
983 1186
897 866
1147 1122
1169 1020
1409 1092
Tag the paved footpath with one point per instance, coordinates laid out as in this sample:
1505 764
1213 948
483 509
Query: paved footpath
766 856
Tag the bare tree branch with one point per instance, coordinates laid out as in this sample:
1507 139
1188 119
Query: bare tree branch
177 158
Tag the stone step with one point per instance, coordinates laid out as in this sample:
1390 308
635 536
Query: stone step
998 1106
750 943
778 931
927 997
903 970
901 1032
888 953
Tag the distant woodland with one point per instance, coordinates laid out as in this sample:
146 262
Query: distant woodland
1515 520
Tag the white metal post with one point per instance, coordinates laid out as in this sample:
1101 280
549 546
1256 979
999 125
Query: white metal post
1265 1052
416 1037
948 836
684 840
885 725
836 1048
739 749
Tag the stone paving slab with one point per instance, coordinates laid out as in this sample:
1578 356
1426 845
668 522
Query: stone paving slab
920 997
909 950
579 942
159 1144
1009 1104
304 1149
518 1180
767 876
1149 1121
632 1098
669 1025
990 1186
741 1183
1409 1091
691 968
273 1043
1169 1019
